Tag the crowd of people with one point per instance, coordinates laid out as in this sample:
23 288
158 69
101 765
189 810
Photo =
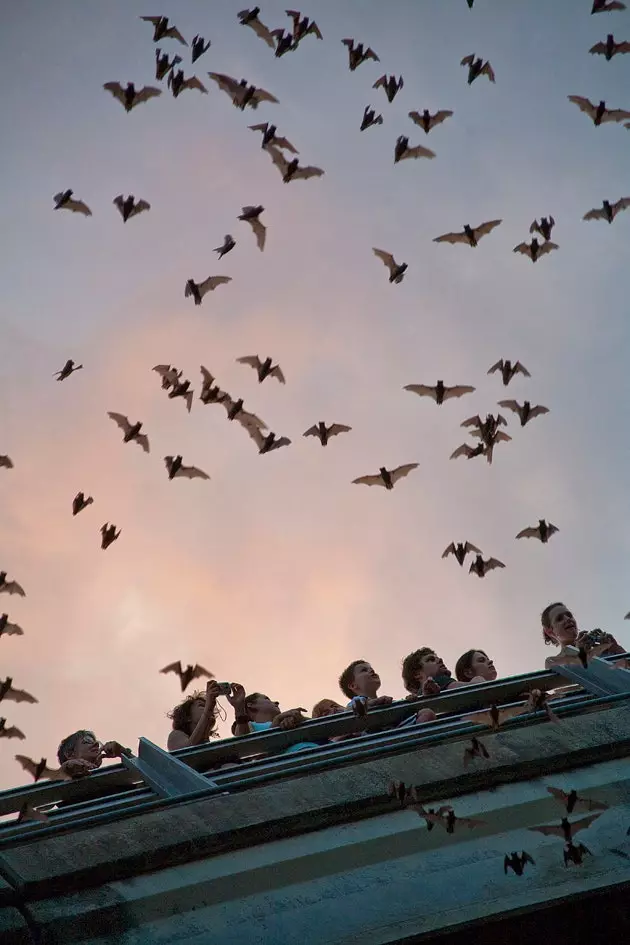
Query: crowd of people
424 674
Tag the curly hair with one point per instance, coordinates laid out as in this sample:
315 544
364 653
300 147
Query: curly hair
412 665
67 746
347 677
181 714
546 622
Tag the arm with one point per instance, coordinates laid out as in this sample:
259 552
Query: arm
236 698
289 719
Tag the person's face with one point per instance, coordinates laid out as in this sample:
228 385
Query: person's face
329 707
563 625
432 666
482 665
196 711
264 706
366 681
87 749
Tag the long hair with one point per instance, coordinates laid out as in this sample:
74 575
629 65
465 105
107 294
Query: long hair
181 715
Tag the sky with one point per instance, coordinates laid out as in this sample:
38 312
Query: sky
278 571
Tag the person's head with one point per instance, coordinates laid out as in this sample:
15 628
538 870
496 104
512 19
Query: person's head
260 708
474 663
187 713
359 679
421 665
326 707
559 626
82 745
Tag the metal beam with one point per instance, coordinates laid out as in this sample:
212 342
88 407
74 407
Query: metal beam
600 678
165 774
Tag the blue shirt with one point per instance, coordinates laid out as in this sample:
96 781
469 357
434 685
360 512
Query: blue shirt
264 726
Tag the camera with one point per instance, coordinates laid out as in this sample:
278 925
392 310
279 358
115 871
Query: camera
596 637
224 688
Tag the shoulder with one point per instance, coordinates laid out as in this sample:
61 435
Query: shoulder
177 739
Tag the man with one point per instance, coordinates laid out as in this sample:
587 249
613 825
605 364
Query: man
81 753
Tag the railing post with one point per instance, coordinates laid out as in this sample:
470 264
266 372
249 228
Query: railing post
600 679
165 774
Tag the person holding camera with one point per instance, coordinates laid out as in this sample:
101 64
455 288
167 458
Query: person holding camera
559 628
195 719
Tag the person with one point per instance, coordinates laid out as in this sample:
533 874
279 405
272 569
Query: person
81 753
559 628
256 712
194 719
424 673
475 666
327 707
359 679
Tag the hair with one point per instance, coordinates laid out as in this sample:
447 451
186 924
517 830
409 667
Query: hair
70 742
412 665
347 677
249 699
546 622
464 665
319 709
181 714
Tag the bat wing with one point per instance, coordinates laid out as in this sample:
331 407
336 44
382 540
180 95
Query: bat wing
487 70
596 214
495 367
510 405
401 471
174 33
599 48
260 232
470 547
152 19
380 82
623 48
520 369
208 285
149 91
278 159
191 472
226 83
262 31
615 114
449 551
457 391
463 450
386 258
12 587
507 864
585 803
173 668
547 247
538 411
20 695
451 238
585 822
529 533
370 54
281 441
422 390
116 89
472 422
277 373
286 145
261 95
467 61
250 421
252 359
13 629
439 117
195 83
335 428
418 152
207 377
164 370
486 228
31 767
501 437
493 563
303 173
312 431
622 204
120 420
12 732
584 105
78 206
369 481
199 671
143 440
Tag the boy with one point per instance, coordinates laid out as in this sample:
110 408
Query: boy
424 673
359 679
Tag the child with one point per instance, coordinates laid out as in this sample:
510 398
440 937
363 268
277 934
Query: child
475 666
359 679
425 673
257 713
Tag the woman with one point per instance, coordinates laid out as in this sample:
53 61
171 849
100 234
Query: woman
559 628
475 666
256 712
194 719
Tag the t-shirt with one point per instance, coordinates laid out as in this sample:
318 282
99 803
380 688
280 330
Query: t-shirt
264 726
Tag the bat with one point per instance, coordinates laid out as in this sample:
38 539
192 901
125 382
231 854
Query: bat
447 818
128 207
250 18
535 249
468 451
39 769
324 433
11 731
543 531
199 47
129 97
573 803
431 815
177 83
212 395
517 862
439 393
108 535
28 813
565 830
228 243
544 227
235 411
427 121
609 48
477 67
370 118
403 792
266 442
402 151
574 853
302 26
131 430
526 412
396 271
269 137
390 84
386 477
538 701
494 717
608 211
161 29
484 428
163 65
80 502
460 551
607 6
198 290
9 629
291 170
69 368
169 374
10 587
187 675
64 201
469 234
15 695
241 93
176 468
284 42
476 750
480 567
6 462
251 215
599 113
357 54
508 370
263 368
182 389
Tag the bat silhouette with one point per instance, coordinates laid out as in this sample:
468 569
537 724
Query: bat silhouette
545 227
476 750
251 215
477 67
11 731
608 211
386 477
324 433
460 551
131 430
175 467
129 97
358 54
182 389
40 769
470 235
471 451
9 629
161 29
535 249
10 587
207 379
573 802
28 813
574 853
508 370
480 567
163 65
263 368
129 207
439 393
269 137
390 84
284 42
187 675
69 368
427 121
402 151
177 83
169 375
80 502
212 395
14 695
228 243
599 113
543 531
370 118
607 6
566 830
516 862
396 271
266 442
403 792
199 289
241 93
494 717
250 18
291 170
199 47
431 815
6 462
64 201
302 26
234 409
447 818
526 412
485 429
108 535
609 48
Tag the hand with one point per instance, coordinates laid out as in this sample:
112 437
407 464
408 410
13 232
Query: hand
212 694
77 767
289 719
430 688
236 698
114 750
379 701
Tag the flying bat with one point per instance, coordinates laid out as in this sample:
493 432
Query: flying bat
14 695
129 97
526 412
129 207
187 675
607 6
131 430
508 370
212 394
177 83
228 243
80 502
11 732
439 393
543 531
391 84
572 802
358 54
291 170
460 551
241 93
402 151
269 137
535 249
40 769
302 26
6 462
477 67
402 792
481 567
199 47
516 862
386 477
199 289
69 368
574 853
494 717
64 201
370 118
234 409
182 389
251 215
161 29
175 468
10 587
396 271
168 373
610 48
485 429
266 441
108 535
468 451
608 211
545 227
566 830
263 368
469 234
447 818
427 121
250 18
538 701
476 750
163 65
430 814
9 629
324 433
599 113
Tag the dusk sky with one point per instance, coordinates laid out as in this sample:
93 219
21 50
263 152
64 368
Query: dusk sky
278 571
